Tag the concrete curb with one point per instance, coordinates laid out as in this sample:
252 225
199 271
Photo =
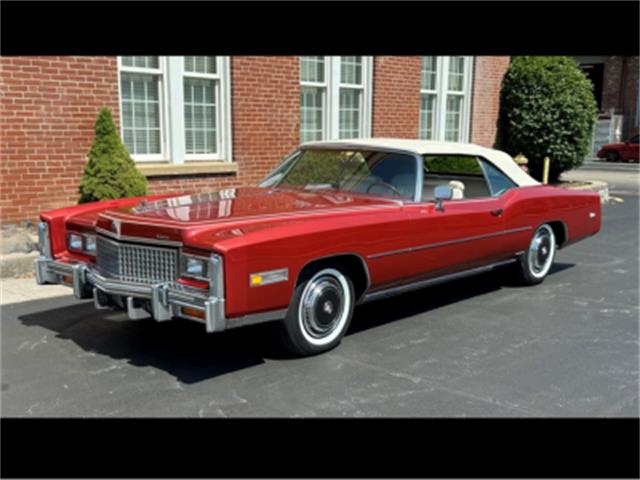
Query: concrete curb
602 188
17 265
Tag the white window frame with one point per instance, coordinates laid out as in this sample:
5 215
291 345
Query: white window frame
324 86
161 73
171 92
331 96
442 91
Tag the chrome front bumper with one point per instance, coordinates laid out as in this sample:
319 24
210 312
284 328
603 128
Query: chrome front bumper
166 299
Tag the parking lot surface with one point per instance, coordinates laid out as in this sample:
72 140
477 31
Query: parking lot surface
477 347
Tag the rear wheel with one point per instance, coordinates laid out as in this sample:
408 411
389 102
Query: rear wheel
535 263
612 156
319 313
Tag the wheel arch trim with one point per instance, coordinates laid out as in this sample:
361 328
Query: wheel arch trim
337 256
557 225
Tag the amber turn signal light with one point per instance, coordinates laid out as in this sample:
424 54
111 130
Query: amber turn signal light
192 312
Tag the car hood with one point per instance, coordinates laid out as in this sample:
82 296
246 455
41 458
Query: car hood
177 218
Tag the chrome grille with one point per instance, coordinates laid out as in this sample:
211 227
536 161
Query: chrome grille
136 263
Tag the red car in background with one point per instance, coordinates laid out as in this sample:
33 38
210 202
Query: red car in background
627 151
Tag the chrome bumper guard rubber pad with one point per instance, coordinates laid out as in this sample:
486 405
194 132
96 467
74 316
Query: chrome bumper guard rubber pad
166 299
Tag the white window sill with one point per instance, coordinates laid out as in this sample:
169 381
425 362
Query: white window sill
155 169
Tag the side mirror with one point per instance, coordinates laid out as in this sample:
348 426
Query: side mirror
442 192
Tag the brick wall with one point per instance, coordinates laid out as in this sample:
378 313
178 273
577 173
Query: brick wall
611 84
396 97
265 112
620 91
48 107
630 97
485 105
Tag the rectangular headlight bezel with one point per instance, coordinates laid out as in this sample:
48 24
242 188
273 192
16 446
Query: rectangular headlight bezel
82 246
90 240
187 259
75 242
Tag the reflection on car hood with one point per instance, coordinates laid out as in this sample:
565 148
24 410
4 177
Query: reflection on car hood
245 203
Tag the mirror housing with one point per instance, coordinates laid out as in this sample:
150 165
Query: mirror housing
442 192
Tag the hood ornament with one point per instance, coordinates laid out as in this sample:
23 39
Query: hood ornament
116 227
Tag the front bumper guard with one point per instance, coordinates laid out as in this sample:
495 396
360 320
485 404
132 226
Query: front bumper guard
166 299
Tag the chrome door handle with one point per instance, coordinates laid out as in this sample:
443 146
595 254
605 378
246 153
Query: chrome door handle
497 213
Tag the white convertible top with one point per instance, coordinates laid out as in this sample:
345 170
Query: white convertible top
500 159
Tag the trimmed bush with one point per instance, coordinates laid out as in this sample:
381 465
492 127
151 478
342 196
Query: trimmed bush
547 109
110 172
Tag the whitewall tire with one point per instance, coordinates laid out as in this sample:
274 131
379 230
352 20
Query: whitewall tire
536 262
319 314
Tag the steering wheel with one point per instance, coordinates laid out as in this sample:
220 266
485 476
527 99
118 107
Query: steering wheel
385 184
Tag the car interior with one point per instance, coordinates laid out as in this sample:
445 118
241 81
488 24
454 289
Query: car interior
469 177
394 175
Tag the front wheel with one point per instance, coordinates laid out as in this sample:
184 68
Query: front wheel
319 314
535 263
612 156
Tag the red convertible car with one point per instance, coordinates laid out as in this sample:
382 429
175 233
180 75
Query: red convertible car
334 225
628 151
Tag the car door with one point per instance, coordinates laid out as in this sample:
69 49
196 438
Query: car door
465 233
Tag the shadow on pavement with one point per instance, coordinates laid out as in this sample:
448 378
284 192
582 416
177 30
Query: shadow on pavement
371 315
183 349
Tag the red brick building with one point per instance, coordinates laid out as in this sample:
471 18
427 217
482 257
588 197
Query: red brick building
199 123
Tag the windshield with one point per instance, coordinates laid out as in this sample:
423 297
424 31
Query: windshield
359 171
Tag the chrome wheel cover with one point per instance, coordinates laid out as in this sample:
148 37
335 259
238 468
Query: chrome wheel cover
541 251
324 307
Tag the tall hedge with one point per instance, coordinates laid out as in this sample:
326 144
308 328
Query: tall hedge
110 172
547 108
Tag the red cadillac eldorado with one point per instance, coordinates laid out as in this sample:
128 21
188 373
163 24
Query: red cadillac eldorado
335 224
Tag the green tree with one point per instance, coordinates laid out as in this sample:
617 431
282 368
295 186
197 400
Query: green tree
547 109
110 172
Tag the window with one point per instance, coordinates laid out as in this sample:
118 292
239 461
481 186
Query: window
445 98
366 172
498 181
335 97
175 109
141 80
442 169
634 140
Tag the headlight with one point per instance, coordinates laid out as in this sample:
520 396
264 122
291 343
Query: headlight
90 244
195 267
74 242
79 242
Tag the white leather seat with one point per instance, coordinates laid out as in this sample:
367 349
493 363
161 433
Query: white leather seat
458 189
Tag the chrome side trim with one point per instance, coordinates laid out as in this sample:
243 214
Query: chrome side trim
269 277
448 242
255 318
352 254
432 281
128 238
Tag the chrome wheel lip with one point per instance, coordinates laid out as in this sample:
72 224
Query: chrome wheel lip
541 251
324 307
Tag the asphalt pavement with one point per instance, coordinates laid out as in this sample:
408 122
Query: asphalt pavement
477 347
